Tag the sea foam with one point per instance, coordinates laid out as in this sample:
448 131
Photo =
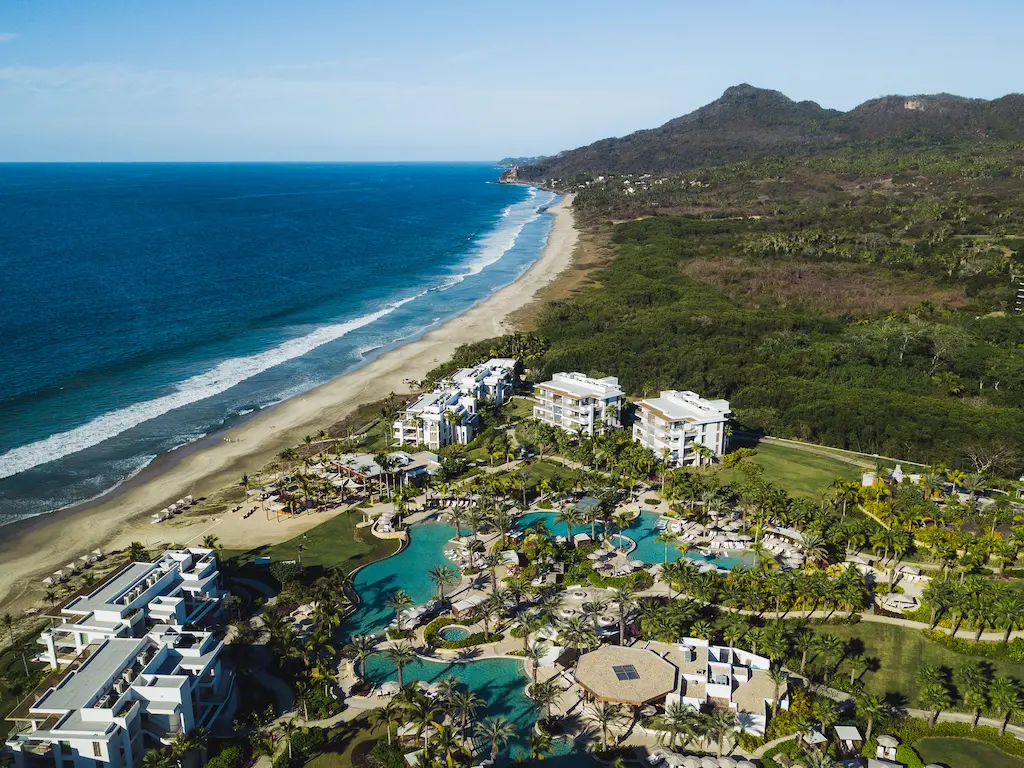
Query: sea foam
218 379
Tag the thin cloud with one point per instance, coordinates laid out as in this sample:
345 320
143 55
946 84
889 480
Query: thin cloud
6 37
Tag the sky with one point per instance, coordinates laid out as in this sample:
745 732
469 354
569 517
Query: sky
223 80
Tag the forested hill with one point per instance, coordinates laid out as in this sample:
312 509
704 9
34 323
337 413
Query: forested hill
748 123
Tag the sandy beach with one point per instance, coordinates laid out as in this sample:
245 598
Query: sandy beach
30 552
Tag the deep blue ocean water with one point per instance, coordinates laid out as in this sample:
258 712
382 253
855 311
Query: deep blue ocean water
145 306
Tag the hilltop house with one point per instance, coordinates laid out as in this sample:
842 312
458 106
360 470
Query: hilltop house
576 402
129 675
673 424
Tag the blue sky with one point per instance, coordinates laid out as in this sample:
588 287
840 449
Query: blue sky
380 80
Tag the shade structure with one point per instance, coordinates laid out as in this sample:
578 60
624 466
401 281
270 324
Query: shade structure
708 762
389 687
637 563
726 762
625 675
690 762
890 742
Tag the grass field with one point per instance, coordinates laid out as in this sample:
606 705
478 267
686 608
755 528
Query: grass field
965 753
344 740
901 652
799 472
336 543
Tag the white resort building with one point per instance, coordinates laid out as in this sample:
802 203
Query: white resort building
674 423
574 401
493 380
128 674
449 413
691 672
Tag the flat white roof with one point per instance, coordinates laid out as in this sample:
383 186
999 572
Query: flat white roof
673 405
580 385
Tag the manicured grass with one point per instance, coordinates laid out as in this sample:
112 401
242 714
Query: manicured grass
519 408
799 472
965 753
901 652
336 543
344 742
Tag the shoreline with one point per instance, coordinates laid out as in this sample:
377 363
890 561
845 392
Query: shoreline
33 548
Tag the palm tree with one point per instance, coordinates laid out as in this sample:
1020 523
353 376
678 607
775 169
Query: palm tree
288 729
465 703
1005 696
805 643
571 517
666 538
401 655
605 715
534 654
872 707
779 677
424 713
814 758
540 745
443 577
682 719
388 716
719 724
545 695
625 599
157 758
137 552
702 629
448 746
359 649
496 731
935 696
210 541
399 601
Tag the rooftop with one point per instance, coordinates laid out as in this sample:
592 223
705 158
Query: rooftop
107 594
625 675
79 687
686 406
578 385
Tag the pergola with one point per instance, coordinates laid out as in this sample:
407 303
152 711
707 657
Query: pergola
624 675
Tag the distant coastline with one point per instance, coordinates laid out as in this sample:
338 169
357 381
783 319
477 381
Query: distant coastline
33 547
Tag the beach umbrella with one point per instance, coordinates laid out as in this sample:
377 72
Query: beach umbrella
890 742
690 761
637 563
593 556
708 762
389 687
726 762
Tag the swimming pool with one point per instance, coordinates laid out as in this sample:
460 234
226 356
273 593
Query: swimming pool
406 570
644 531
453 633
501 683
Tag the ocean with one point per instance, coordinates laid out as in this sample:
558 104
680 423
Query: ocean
148 305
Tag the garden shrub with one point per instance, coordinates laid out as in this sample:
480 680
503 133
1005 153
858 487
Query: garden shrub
231 756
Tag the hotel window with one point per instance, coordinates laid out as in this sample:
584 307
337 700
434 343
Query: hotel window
97 749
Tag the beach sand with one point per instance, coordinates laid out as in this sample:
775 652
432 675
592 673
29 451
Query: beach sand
32 551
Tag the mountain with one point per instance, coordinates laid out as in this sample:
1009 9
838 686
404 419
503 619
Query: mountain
748 122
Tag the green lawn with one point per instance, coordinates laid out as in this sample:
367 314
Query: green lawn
336 543
799 472
519 408
901 652
345 739
965 753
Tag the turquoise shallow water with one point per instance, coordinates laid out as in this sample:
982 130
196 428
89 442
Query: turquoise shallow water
644 531
499 682
406 570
